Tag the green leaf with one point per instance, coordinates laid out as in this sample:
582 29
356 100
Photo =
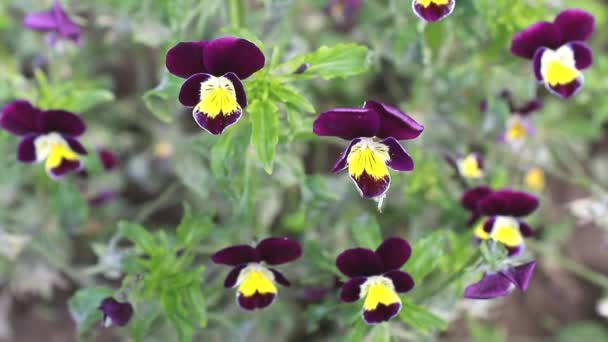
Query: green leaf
191 169
193 227
434 35
342 60
583 331
426 256
139 236
70 205
82 100
366 231
84 304
421 319
265 131
162 100
289 95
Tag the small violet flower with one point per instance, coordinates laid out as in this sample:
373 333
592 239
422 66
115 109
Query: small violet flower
519 125
501 283
433 10
213 71
376 276
56 23
558 50
115 312
255 281
47 135
343 13
368 158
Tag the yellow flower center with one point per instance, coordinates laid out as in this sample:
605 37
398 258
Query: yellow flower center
53 148
378 290
506 231
469 167
535 179
217 97
256 278
427 3
368 157
559 67
516 130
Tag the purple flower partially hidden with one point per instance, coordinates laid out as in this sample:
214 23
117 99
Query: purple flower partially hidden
493 285
115 312
433 10
470 200
343 13
56 23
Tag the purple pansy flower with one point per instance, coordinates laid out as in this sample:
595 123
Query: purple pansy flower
376 276
433 10
213 71
470 166
470 198
255 281
56 23
343 13
519 126
47 135
558 50
115 312
367 158
501 283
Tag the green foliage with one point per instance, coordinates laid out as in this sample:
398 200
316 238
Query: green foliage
264 131
162 100
342 60
421 319
585 331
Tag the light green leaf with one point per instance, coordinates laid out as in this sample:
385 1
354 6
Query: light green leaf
139 236
366 231
421 319
84 304
191 170
342 60
289 95
162 100
83 100
265 131
426 256
193 227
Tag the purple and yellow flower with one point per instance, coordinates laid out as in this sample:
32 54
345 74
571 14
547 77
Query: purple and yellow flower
470 200
56 23
535 179
115 312
374 132
505 209
519 126
433 10
343 13
48 136
255 282
213 71
375 276
501 283
470 166
558 50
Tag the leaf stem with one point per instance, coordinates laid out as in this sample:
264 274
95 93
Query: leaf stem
236 12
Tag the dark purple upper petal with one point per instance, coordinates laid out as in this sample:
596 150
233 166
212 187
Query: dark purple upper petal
62 122
541 34
280 278
583 55
530 107
394 123
402 281
119 313
347 123
508 203
26 150
490 286
189 93
236 255
232 54
357 262
276 251
233 276
341 163
400 159
393 253
575 24
20 117
186 59
351 290
520 275
471 197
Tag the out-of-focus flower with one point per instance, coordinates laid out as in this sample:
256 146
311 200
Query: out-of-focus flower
368 158
11 244
163 150
255 281
56 23
49 136
602 307
501 283
590 211
470 166
376 276
519 126
470 199
343 13
535 179
115 312
505 209
433 10
213 71
102 197
558 50
108 159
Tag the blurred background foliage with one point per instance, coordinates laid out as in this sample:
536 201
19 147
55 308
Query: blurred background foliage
183 194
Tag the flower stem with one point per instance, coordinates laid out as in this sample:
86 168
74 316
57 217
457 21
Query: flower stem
236 11
474 259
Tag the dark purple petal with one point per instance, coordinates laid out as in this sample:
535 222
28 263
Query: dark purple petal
513 251
107 158
341 163
490 286
575 24
541 34
232 54
20 117
433 12
75 145
241 96
583 56
382 313
566 91
54 21
218 124
351 290
488 225
394 123
61 121
400 159
236 255
189 93
525 229
119 313
347 123
537 63
520 275
256 301
101 198
370 187
26 150
276 251
356 262
64 168
402 281
508 203
186 59
233 276
471 197
394 253
530 107
280 278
